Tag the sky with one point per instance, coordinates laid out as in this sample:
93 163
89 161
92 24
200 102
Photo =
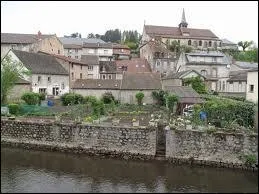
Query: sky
235 21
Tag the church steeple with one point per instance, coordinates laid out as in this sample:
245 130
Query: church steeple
183 23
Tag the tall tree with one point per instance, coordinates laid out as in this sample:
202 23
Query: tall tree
10 73
245 44
91 35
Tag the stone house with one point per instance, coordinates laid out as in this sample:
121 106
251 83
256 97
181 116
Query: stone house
21 86
108 70
120 52
47 74
252 86
93 68
31 43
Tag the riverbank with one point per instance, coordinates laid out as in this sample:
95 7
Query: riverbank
131 143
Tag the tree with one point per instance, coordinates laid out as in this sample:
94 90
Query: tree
11 71
139 97
91 35
171 99
196 83
160 97
245 44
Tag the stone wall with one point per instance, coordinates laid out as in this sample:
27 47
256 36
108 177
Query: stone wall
214 147
136 142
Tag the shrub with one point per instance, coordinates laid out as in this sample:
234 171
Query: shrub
250 159
98 108
72 98
140 96
90 99
160 97
30 98
107 98
42 96
14 108
171 100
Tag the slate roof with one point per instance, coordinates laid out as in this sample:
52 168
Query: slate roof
178 75
119 46
176 32
246 65
13 38
238 76
97 84
226 41
90 59
97 45
72 46
141 81
40 63
108 67
79 41
134 65
185 93
22 81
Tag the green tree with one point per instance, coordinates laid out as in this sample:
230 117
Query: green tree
139 97
245 44
197 84
171 100
160 97
91 35
11 71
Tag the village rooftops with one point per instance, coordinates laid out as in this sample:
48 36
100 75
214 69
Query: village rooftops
79 41
134 65
40 63
13 38
90 59
181 74
176 32
97 45
108 67
238 76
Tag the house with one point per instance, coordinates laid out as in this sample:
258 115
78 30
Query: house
108 70
252 85
21 86
195 38
176 79
187 96
31 43
145 82
120 52
47 74
226 44
123 90
214 65
73 47
93 66
135 65
97 87
104 51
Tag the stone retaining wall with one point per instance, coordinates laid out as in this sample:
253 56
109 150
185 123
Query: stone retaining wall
137 142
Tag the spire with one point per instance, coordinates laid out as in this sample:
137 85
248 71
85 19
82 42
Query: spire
183 21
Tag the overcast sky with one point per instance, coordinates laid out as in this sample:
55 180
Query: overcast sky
235 21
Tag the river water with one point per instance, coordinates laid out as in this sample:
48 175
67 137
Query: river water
37 171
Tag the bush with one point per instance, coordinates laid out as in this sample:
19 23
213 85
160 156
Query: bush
171 100
140 96
90 99
72 98
250 159
42 96
98 108
160 97
107 98
30 98
13 109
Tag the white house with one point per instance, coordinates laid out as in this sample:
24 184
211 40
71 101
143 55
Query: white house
252 85
47 74
103 50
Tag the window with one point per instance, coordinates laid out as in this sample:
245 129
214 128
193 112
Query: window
72 75
72 65
49 79
231 82
69 56
58 51
42 90
110 76
240 82
62 85
76 50
105 51
251 88
103 76
214 59
39 79
219 85
81 67
219 44
76 57
90 68
200 43
204 72
210 44
189 42
81 76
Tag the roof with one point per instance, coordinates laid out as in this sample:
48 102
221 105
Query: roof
167 31
97 45
246 65
108 67
134 65
119 46
207 54
226 41
79 41
90 59
40 63
13 38
141 81
238 76
97 84
22 81
253 69
186 94
178 75
72 46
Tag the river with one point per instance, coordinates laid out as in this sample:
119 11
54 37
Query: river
37 171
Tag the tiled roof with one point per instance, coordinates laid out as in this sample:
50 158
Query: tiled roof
79 41
239 76
246 65
141 81
97 45
90 59
119 46
186 94
13 38
40 63
108 66
166 31
22 81
97 84
134 65
72 46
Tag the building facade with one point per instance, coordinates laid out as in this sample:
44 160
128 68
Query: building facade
252 85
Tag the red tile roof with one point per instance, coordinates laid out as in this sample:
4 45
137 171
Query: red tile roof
134 65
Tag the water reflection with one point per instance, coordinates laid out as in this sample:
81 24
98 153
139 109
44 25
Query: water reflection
34 171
